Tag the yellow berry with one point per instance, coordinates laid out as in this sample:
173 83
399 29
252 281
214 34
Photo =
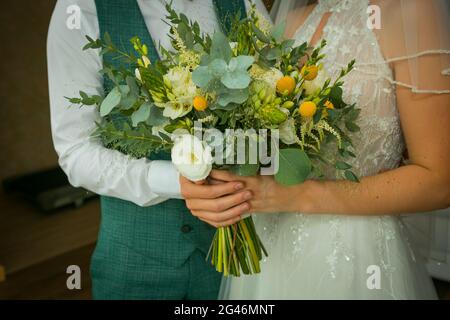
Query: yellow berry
200 103
286 84
328 104
307 109
309 72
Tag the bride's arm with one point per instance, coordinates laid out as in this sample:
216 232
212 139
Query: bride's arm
422 185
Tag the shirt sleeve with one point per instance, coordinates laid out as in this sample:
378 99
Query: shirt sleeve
83 158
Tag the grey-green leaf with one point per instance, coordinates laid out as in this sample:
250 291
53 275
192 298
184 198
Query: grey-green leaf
278 31
236 80
220 47
201 76
232 96
141 114
156 117
217 67
240 63
111 101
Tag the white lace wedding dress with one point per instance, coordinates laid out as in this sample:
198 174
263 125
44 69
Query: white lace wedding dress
329 256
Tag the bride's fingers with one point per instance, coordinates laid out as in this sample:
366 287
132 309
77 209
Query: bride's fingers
219 204
224 175
214 181
223 223
221 218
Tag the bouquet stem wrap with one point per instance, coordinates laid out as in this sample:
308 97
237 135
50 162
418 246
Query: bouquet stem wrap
237 248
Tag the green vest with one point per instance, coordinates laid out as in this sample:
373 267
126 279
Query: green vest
167 231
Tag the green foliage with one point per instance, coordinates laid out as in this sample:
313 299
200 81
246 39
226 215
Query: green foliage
111 101
137 142
294 167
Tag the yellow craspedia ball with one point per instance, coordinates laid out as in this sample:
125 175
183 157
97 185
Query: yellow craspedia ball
308 109
329 105
309 72
286 84
200 103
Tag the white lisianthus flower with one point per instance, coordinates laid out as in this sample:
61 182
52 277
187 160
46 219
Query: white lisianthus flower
287 132
311 87
191 157
270 76
183 91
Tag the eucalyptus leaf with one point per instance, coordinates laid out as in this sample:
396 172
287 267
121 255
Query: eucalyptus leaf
217 67
240 63
232 96
201 76
278 31
134 89
220 47
111 101
294 167
141 114
236 80
156 117
273 53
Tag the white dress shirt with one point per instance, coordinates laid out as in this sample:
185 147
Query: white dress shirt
83 158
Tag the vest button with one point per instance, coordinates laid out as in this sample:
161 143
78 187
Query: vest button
186 228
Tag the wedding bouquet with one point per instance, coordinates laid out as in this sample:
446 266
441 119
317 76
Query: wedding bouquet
214 94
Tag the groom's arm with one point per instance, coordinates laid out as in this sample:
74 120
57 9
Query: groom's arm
84 159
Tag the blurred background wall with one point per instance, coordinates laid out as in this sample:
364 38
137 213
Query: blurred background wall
35 247
25 138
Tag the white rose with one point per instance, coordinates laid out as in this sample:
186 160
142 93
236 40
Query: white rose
287 132
311 87
191 157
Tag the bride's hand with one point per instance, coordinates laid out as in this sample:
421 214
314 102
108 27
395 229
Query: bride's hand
268 195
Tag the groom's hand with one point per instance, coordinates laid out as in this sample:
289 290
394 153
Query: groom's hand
218 203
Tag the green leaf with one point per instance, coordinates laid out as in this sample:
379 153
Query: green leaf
240 63
134 89
336 93
141 114
201 76
340 165
156 117
236 80
111 101
220 47
273 54
294 167
351 176
228 96
260 35
352 127
278 31
217 67
245 170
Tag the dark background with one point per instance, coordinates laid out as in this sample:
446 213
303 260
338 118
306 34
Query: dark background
37 247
